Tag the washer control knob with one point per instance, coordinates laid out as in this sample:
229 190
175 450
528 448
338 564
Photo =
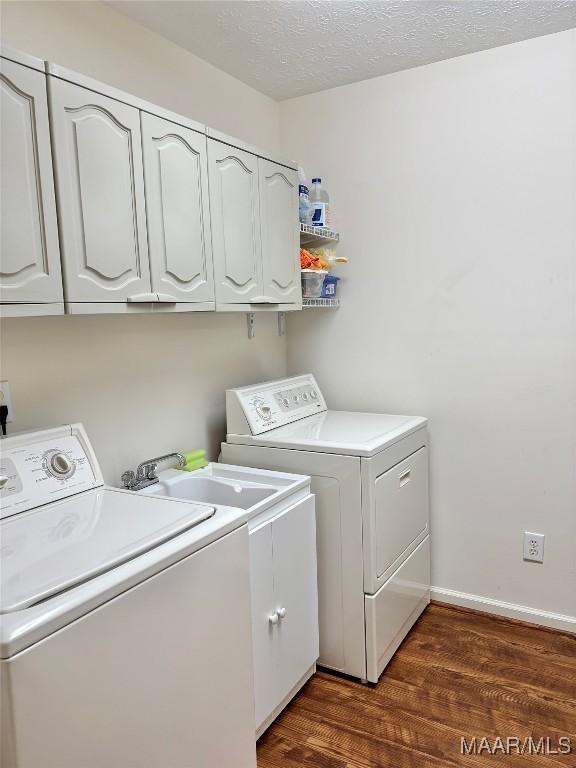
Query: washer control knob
286 402
305 397
296 398
60 464
265 412
314 394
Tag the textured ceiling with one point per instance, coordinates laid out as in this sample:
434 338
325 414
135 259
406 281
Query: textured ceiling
287 48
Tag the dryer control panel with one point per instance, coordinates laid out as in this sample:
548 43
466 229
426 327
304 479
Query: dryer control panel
262 407
44 466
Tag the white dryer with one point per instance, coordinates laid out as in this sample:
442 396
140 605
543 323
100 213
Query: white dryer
125 634
370 476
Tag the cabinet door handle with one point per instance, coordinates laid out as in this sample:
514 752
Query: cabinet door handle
167 298
142 297
281 612
273 619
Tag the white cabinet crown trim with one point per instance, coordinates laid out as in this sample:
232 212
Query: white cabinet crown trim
22 58
55 70
223 138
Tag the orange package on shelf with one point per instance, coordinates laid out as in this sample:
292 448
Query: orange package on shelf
309 261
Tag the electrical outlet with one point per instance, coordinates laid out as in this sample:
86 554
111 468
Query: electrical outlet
5 399
534 547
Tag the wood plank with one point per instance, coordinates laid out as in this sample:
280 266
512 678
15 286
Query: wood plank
458 674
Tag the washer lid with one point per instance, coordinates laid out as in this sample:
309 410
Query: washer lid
341 432
52 548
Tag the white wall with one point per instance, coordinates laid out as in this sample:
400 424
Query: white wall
454 187
142 384
95 40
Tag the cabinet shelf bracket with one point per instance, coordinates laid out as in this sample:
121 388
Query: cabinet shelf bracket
250 324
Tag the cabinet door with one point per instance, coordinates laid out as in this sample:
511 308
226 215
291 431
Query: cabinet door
178 211
296 593
280 232
100 188
30 253
235 212
263 631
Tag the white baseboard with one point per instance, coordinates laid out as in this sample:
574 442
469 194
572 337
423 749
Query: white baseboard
500 608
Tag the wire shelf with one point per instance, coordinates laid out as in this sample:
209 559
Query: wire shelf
319 303
317 236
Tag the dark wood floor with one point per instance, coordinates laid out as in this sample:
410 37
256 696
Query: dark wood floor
458 674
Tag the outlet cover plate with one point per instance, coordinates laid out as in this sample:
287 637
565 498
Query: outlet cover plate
5 399
534 547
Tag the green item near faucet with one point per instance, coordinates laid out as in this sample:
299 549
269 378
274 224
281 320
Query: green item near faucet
194 455
194 460
191 466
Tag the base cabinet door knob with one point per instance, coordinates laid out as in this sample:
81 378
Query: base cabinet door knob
281 612
273 619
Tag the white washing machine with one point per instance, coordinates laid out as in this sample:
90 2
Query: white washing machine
125 636
370 476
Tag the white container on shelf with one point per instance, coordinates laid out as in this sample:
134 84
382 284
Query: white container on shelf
312 281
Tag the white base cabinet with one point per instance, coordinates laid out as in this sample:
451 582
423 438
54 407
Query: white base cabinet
284 599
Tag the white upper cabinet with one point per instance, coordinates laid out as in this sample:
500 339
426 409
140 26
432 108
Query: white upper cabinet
255 233
112 204
235 211
280 232
100 186
178 211
30 254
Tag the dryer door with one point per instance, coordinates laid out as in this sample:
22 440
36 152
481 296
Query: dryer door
401 499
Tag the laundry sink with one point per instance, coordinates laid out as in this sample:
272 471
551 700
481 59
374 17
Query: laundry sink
212 491
227 485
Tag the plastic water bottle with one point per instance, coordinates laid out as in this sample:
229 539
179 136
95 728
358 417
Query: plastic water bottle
305 206
320 204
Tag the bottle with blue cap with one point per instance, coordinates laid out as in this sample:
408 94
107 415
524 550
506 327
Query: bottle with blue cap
320 204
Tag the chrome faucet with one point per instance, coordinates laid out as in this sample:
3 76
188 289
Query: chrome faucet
145 474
